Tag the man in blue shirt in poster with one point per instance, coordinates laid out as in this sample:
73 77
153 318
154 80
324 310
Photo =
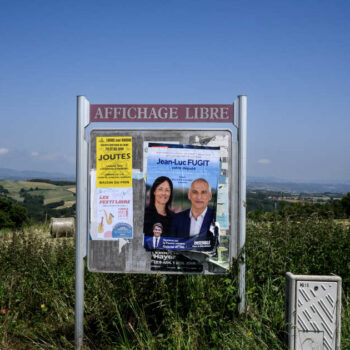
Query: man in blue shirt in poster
197 221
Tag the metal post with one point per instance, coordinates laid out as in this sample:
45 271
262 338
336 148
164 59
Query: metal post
242 166
81 217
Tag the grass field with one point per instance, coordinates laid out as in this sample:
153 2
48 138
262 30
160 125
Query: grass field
159 311
52 193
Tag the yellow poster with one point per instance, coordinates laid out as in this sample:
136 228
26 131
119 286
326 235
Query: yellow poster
114 161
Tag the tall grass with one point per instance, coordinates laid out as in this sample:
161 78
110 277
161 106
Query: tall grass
159 311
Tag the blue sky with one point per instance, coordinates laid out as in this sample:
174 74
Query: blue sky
290 57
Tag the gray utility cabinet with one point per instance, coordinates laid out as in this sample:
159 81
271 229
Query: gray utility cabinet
313 311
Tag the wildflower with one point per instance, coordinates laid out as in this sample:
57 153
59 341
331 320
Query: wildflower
250 334
42 306
4 311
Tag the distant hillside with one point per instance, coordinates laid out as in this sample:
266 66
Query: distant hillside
42 200
23 175
49 191
292 187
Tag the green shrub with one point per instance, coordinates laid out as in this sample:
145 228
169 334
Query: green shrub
12 215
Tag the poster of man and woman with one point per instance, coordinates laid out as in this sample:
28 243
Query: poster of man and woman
181 191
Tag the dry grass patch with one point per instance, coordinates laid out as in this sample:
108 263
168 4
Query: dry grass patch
66 204
72 189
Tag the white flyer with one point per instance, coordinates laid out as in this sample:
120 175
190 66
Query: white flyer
114 213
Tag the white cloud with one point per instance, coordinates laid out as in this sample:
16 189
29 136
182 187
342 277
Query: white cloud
264 161
34 154
3 151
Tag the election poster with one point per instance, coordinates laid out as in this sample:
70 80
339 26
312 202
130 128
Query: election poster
181 194
113 216
169 261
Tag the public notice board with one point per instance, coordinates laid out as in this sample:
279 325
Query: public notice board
160 201
164 196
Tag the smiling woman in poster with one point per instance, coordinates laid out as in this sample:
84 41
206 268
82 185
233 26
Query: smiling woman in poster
161 196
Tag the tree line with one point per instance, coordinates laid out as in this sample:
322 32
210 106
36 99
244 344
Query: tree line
266 209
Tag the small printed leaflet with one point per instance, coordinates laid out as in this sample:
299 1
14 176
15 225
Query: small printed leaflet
114 161
222 203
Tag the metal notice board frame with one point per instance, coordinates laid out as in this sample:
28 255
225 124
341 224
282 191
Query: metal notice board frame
146 121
